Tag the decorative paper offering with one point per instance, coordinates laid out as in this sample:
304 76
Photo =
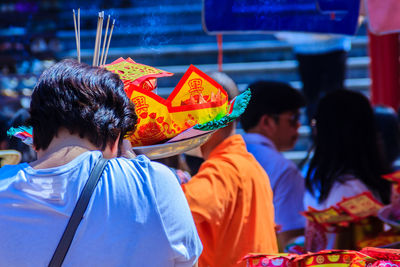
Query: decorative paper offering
360 206
269 260
393 177
197 101
137 74
348 210
196 106
22 132
373 257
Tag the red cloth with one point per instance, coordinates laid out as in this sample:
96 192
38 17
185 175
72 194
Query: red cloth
383 16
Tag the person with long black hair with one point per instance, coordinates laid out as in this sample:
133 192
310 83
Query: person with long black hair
347 160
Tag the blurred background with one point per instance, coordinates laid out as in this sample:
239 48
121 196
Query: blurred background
161 33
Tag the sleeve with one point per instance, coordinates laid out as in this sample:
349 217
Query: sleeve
289 192
208 192
175 216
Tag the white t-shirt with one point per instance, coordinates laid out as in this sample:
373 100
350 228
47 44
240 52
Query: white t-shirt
286 181
137 216
338 191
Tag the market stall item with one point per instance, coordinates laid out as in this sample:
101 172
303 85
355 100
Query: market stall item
136 74
197 101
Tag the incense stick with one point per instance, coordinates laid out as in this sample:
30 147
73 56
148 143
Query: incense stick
79 35
104 42
96 41
100 35
108 43
76 34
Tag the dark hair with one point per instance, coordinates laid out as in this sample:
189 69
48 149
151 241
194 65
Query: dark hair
346 144
88 101
389 132
4 126
270 97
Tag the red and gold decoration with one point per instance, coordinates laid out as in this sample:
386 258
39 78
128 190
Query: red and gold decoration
136 75
368 257
196 99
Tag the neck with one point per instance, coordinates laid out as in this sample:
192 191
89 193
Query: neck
62 149
267 134
217 138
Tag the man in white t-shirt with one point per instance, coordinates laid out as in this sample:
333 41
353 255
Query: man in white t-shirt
137 215
271 122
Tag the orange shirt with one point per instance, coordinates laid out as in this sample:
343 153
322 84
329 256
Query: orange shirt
231 202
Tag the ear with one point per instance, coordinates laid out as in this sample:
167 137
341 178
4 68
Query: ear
267 124
3 145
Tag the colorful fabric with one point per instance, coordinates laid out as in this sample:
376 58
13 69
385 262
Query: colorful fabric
137 74
231 202
236 108
371 257
196 99
25 133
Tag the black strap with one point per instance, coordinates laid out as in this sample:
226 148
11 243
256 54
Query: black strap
77 214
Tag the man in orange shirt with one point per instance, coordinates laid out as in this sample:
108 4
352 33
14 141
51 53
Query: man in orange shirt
231 197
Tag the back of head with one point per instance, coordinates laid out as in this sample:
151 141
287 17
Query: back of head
221 134
87 101
346 143
272 98
227 83
345 117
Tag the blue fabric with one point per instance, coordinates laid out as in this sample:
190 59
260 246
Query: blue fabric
286 181
138 215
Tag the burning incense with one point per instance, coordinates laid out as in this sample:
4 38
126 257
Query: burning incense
79 35
76 35
108 43
104 42
100 35
96 42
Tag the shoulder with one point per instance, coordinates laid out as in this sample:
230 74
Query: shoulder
351 185
9 172
276 164
139 165
9 175
348 188
152 175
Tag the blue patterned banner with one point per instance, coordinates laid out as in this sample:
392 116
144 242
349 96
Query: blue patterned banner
241 16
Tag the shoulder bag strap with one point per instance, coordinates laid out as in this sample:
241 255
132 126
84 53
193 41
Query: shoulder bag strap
77 215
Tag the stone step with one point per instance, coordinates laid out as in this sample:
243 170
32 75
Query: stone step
361 84
202 53
357 67
187 13
154 38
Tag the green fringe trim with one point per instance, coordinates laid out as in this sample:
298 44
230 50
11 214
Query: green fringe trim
12 131
239 106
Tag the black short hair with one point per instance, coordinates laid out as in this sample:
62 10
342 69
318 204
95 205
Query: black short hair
270 97
88 101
